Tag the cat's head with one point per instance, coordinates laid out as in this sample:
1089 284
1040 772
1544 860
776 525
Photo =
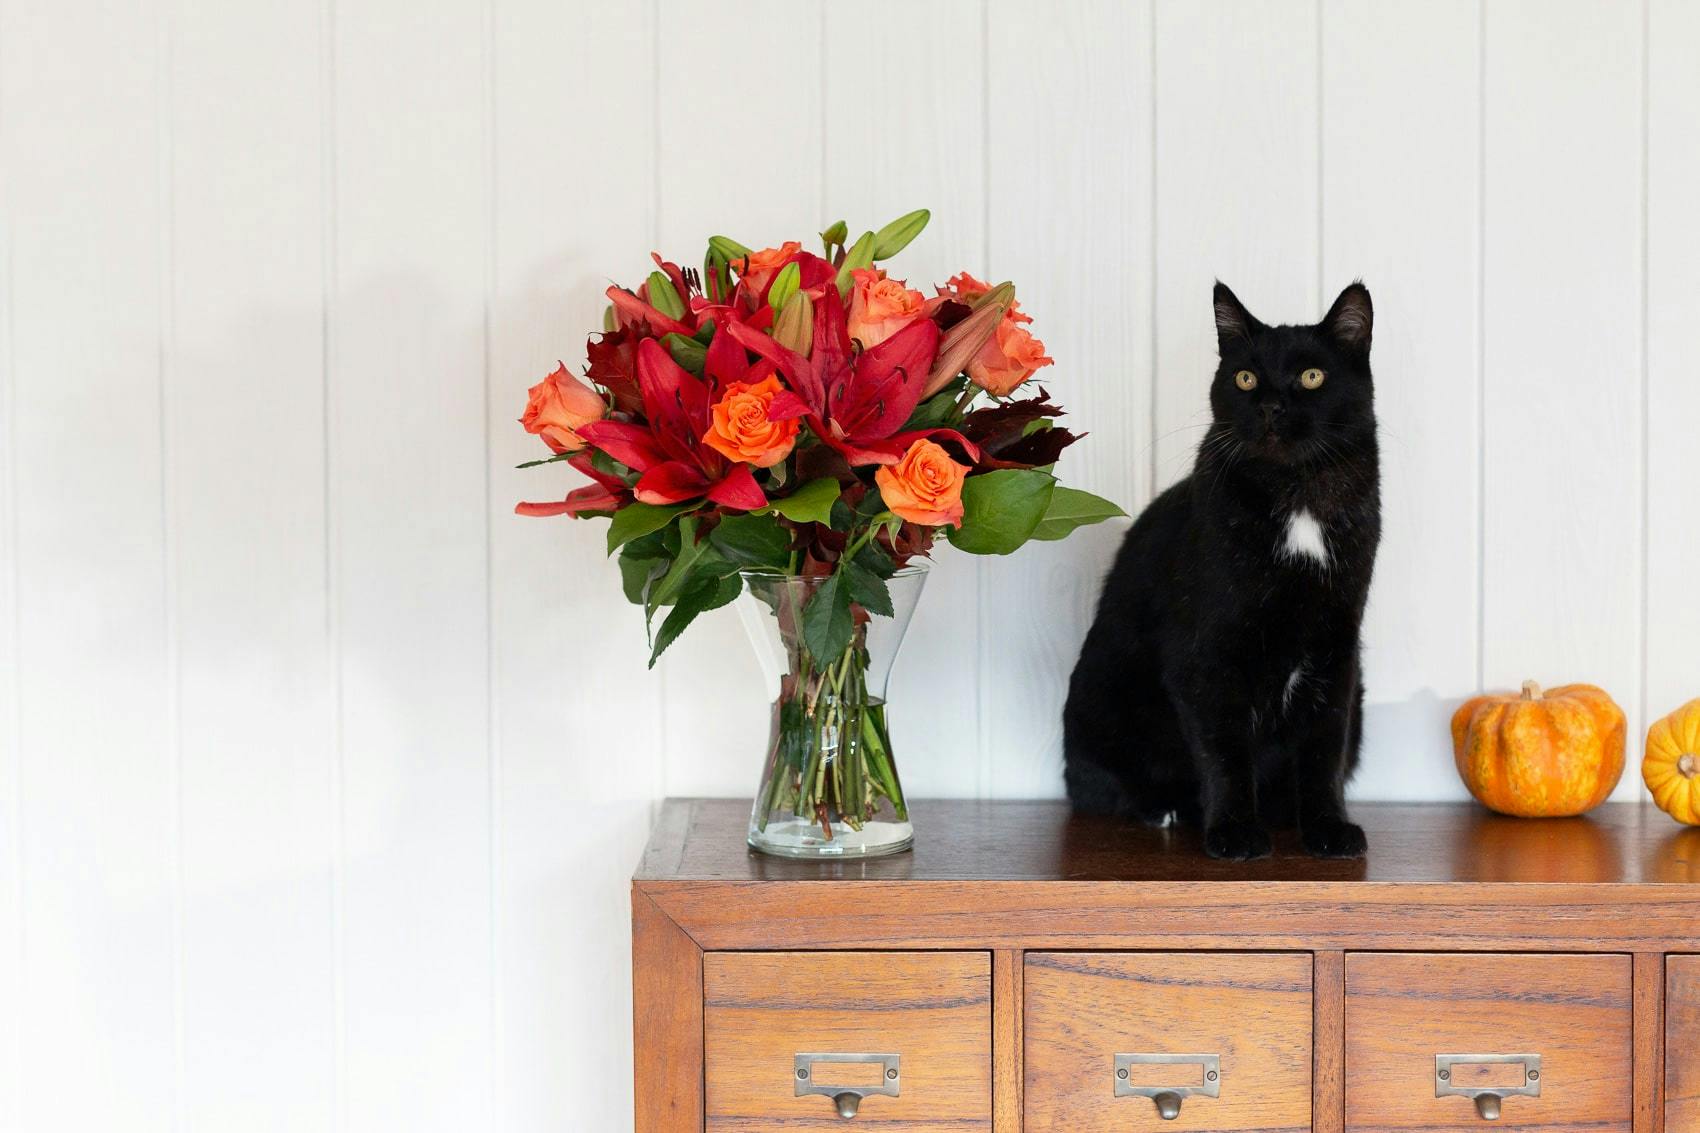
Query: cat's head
1295 394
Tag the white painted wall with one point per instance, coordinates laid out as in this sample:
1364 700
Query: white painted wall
321 774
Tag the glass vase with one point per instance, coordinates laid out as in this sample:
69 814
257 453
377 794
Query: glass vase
829 783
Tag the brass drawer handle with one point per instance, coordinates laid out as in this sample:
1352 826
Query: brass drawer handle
1487 1098
847 1099
1168 1099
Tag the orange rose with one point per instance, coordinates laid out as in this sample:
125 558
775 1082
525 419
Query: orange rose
558 405
741 430
1009 358
925 486
880 307
965 288
758 268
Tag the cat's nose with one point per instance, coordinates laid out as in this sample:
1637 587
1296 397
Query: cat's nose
1272 410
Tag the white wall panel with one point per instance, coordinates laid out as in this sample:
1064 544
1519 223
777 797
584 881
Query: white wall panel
1070 221
410 492
905 126
246 497
578 719
1401 98
1562 530
81 88
1673 393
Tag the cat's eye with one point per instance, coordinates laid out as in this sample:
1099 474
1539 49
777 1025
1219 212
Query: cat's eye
1245 379
1312 378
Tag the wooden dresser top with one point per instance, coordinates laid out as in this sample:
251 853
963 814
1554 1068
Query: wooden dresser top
702 840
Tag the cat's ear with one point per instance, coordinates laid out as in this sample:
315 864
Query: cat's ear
1350 320
1232 319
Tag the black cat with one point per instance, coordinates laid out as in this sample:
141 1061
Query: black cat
1220 681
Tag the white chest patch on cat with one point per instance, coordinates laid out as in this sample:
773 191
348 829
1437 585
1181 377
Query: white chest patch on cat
1305 539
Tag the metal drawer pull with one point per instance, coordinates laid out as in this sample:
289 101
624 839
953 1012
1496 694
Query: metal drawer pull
1168 1098
1487 1098
848 1099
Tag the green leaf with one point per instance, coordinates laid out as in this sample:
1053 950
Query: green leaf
705 333
937 411
826 620
728 248
895 237
662 296
812 503
687 352
704 595
874 560
637 519
547 460
867 589
1071 508
637 573
753 541
1001 509
784 285
693 554
860 255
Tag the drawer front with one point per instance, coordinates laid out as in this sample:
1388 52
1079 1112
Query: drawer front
1572 1013
1175 1019
922 1019
1682 1044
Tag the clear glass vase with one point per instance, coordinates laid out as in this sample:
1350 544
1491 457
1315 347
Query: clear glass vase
829 784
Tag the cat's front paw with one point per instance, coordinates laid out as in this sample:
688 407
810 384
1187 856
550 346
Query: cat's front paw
1236 841
1333 838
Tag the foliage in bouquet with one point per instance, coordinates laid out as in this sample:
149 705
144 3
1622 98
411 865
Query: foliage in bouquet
805 415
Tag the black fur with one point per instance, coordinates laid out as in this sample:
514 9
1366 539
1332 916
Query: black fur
1184 701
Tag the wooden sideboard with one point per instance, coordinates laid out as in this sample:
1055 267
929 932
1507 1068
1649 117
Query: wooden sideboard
1026 970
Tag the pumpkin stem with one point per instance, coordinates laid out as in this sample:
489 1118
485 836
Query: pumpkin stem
1688 765
1531 690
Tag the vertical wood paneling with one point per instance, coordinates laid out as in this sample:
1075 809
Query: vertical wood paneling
578 719
11 748
1236 191
244 421
905 124
774 195
1071 225
97 837
409 463
1673 394
1401 99
1563 354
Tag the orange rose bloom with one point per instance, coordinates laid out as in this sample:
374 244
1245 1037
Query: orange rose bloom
741 430
558 405
925 486
880 307
759 268
1009 358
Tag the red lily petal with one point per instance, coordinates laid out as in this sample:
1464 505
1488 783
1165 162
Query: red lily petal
739 489
674 274
891 449
583 463
831 351
637 310
675 402
671 483
787 406
726 362
590 498
887 382
631 445
798 370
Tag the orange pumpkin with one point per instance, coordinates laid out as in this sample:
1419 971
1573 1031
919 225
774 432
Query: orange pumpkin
1540 755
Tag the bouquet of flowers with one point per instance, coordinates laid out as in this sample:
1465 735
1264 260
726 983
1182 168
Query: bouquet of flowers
786 417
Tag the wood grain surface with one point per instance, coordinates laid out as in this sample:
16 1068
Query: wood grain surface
1328 1029
1082 1009
1007 1025
667 993
1682 1044
1403 1009
932 1009
1649 1042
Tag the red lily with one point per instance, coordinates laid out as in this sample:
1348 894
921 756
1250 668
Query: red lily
609 493
667 450
854 402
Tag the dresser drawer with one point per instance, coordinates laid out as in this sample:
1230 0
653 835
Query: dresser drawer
1226 1036
902 1039
1556 1025
1682 1044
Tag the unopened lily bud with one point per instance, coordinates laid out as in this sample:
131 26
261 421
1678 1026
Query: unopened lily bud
794 326
860 255
784 286
663 297
834 236
895 237
728 248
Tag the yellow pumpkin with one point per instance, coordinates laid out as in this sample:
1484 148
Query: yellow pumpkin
1540 754
1671 767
